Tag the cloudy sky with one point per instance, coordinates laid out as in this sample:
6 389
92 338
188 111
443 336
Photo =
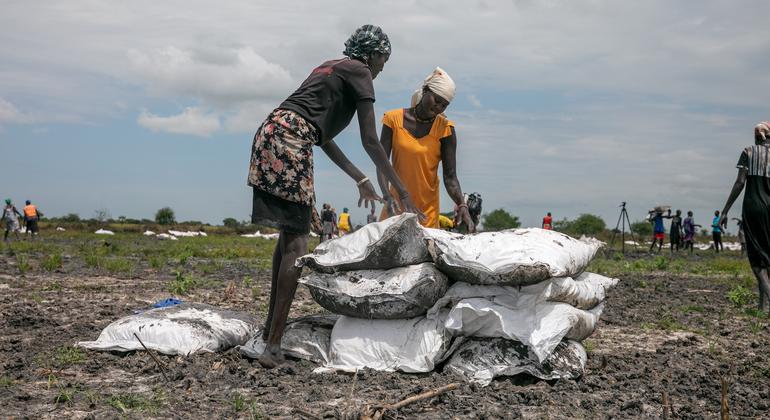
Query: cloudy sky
562 105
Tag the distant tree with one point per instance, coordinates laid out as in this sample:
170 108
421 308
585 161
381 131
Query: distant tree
499 219
642 228
102 215
165 216
231 222
585 224
121 219
562 225
70 218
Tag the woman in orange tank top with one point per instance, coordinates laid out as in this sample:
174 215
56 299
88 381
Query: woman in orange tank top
417 139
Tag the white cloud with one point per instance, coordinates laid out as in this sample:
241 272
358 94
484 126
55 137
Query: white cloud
191 121
10 114
474 100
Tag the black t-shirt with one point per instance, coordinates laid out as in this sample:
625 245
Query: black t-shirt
328 97
327 216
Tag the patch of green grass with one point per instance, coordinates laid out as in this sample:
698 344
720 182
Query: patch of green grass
754 313
756 326
589 346
67 355
182 284
642 284
126 402
668 323
52 263
119 265
66 396
6 381
239 402
53 287
740 296
247 282
693 308
22 264
93 259
157 261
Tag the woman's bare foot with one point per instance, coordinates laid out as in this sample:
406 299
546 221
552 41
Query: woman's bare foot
271 357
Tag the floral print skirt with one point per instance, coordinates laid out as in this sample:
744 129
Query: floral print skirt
281 172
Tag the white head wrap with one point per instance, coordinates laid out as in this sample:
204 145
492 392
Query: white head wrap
439 83
763 129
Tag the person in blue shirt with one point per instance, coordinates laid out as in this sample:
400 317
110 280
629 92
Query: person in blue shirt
716 232
659 230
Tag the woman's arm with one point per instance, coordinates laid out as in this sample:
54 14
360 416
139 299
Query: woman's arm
365 111
451 183
740 182
386 141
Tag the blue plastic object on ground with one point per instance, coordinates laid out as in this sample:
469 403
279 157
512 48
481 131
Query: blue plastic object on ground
166 302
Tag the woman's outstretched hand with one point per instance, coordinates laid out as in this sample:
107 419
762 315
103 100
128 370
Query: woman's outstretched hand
367 195
464 216
407 206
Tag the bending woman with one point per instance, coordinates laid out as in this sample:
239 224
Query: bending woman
754 175
281 167
419 138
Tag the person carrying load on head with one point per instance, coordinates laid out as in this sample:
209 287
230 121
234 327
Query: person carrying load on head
754 176
548 222
659 230
281 166
417 139
31 216
11 219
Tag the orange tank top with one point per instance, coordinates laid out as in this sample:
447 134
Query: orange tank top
416 162
30 210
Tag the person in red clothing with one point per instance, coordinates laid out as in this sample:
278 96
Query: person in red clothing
548 222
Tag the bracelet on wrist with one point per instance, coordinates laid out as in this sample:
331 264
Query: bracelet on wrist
362 181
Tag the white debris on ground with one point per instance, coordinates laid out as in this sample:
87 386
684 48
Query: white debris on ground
60 229
731 246
104 232
148 233
187 234
259 234
166 236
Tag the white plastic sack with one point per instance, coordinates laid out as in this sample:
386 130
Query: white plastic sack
60 229
394 242
306 338
480 360
407 345
166 236
181 329
538 325
398 293
259 234
513 257
104 232
148 233
584 292
187 234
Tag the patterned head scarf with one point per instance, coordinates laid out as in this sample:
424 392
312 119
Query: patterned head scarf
439 83
763 130
366 40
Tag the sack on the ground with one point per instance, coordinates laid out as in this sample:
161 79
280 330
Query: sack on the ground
398 293
515 257
305 338
177 330
394 242
583 292
480 360
407 345
538 325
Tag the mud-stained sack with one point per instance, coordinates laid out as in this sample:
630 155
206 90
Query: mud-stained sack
480 360
541 326
407 345
515 257
398 293
394 242
305 338
177 330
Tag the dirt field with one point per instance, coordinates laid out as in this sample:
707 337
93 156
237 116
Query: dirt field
668 328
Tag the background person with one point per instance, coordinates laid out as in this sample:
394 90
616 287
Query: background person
716 233
754 174
659 229
547 222
344 224
418 139
11 218
31 217
281 166
675 231
327 222
689 231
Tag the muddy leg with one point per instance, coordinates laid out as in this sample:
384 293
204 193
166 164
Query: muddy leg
764 286
273 286
293 246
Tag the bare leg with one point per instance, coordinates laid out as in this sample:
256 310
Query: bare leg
292 247
273 287
764 286
652 245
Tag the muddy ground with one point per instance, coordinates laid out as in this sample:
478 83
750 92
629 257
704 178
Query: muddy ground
661 332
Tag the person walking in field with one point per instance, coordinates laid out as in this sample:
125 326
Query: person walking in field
31 217
11 219
659 230
689 226
281 166
547 222
418 139
716 233
754 176
327 222
344 223
675 231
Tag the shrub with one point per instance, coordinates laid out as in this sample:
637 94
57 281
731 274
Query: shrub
231 223
642 228
500 219
165 216
585 224
740 296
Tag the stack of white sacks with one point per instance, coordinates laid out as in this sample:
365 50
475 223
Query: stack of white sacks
489 304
